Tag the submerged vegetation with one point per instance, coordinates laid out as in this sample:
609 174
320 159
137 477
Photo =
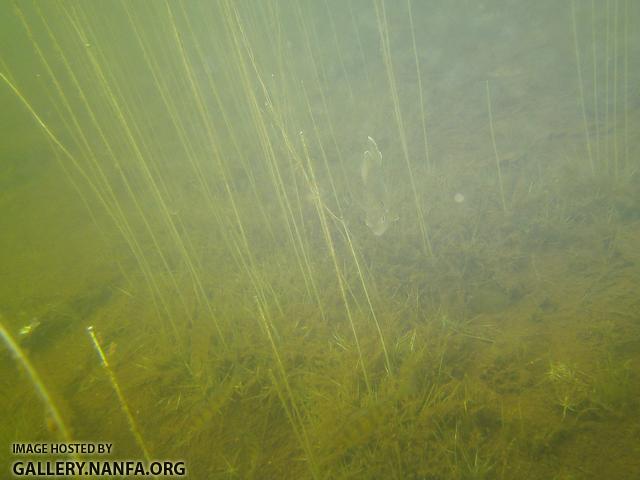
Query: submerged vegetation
320 239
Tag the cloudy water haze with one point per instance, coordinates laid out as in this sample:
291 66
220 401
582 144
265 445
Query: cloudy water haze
300 239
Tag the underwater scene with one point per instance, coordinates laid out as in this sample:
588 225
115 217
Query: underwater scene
323 239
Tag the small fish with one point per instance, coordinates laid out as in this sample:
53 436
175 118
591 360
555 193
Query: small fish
27 330
377 216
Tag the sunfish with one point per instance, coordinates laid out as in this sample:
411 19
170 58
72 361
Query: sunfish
375 207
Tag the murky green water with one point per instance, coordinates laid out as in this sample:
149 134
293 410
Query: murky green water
322 239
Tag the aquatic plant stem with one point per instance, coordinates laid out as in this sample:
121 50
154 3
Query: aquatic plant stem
580 87
423 117
293 413
128 130
616 167
332 251
116 387
495 149
383 31
108 199
36 381
626 83
595 84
